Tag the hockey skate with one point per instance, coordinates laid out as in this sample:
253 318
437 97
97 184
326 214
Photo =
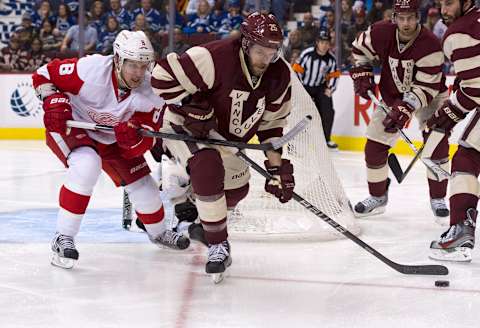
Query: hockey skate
371 206
332 145
219 260
456 244
171 239
440 211
64 252
196 232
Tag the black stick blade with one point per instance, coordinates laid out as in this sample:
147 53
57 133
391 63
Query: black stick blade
395 167
433 270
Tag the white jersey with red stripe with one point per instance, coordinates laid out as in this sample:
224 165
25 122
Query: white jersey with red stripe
92 87
461 45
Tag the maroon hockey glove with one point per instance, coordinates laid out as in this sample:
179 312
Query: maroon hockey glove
363 80
397 118
199 121
57 112
282 186
446 117
127 134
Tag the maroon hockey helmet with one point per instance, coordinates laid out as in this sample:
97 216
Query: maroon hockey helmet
263 30
403 6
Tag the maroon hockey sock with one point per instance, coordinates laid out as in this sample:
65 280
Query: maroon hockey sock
459 204
215 232
437 189
376 155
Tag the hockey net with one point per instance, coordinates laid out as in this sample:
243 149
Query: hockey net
262 216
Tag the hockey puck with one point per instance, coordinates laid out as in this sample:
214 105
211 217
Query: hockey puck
442 283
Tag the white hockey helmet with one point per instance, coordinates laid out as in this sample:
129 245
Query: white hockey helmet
134 46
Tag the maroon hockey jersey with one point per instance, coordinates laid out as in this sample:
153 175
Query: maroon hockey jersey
217 72
461 45
412 70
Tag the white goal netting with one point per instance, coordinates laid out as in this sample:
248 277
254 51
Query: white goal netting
262 216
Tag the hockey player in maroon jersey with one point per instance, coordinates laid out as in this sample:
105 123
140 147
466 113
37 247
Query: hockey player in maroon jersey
461 45
411 82
233 89
110 90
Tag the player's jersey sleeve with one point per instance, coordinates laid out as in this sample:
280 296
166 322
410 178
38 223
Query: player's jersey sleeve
177 77
428 78
61 75
278 108
463 50
368 45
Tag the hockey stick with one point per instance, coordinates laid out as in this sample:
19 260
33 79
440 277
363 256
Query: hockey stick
275 144
397 171
402 268
126 212
439 173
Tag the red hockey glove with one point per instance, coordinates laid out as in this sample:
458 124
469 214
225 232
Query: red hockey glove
283 186
127 134
446 117
363 80
397 118
57 112
199 121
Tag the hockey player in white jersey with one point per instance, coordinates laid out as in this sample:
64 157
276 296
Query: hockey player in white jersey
109 90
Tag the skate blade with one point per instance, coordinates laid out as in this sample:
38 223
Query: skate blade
217 277
62 262
135 228
377 211
457 254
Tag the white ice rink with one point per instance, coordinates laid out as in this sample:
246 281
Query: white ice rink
121 280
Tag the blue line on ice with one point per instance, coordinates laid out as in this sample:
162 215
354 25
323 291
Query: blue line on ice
38 226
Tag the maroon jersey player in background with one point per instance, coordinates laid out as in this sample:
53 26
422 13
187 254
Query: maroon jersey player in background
411 81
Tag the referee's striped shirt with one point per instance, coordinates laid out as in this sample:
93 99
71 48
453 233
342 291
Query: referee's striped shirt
318 70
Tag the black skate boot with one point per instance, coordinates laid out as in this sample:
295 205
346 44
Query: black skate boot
171 239
196 232
456 244
64 252
186 213
219 260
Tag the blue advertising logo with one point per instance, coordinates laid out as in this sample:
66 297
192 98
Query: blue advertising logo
23 101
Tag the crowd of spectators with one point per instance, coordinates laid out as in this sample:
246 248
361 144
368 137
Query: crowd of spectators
355 17
51 29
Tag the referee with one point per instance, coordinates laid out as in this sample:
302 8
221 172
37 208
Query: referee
317 70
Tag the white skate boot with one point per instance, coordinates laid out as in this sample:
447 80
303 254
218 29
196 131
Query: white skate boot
456 244
371 206
64 252
171 239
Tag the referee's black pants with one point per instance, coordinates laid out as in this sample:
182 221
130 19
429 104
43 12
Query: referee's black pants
324 106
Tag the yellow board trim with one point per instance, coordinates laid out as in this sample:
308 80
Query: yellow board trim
22 133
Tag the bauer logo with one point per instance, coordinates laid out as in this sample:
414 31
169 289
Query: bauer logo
23 101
